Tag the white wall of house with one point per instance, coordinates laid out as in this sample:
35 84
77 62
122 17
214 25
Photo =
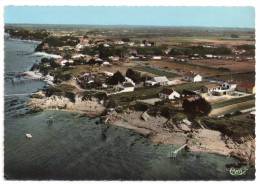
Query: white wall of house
197 78
157 57
172 96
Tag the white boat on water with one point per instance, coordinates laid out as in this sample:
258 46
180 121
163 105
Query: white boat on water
29 136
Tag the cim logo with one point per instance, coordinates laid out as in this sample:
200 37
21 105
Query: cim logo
238 171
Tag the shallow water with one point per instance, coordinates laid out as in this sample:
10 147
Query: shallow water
73 147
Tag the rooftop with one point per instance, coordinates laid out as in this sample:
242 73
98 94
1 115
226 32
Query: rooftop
246 85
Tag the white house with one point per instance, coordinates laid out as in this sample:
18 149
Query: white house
109 74
157 57
106 45
169 94
133 57
193 77
106 63
224 88
63 62
98 59
114 58
162 81
131 43
120 42
209 56
71 61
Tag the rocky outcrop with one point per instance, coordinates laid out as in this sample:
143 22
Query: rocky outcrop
89 107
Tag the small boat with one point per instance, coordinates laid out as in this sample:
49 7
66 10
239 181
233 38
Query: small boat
29 136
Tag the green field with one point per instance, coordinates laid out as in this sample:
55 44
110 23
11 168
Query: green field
155 71
233 101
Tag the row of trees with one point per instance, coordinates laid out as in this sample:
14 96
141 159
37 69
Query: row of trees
123 51
25 34
200 50
54 41
118 77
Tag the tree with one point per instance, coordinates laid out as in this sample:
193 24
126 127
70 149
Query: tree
67 55
111 104
54 64
196 107
71 96
134 75
167 112
116 78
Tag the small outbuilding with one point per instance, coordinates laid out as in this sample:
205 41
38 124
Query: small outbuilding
168 93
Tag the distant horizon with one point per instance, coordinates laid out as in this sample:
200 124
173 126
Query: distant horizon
190 16
125 25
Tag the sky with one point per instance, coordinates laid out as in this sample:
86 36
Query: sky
242 17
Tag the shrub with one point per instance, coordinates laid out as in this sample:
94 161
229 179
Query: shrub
116 78
196 107
134 75
70 96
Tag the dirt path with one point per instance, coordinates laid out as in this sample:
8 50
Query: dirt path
230 108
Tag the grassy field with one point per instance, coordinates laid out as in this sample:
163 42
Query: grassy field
232 127
232 101
205 71
239 77
155 71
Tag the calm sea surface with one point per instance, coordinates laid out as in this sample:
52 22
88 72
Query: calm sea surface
74 147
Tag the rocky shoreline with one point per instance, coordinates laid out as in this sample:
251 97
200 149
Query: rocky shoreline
154 128
197 140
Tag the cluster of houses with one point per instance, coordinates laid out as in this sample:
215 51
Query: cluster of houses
82 59
215 89
90 80
128 85
211 88
84 42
